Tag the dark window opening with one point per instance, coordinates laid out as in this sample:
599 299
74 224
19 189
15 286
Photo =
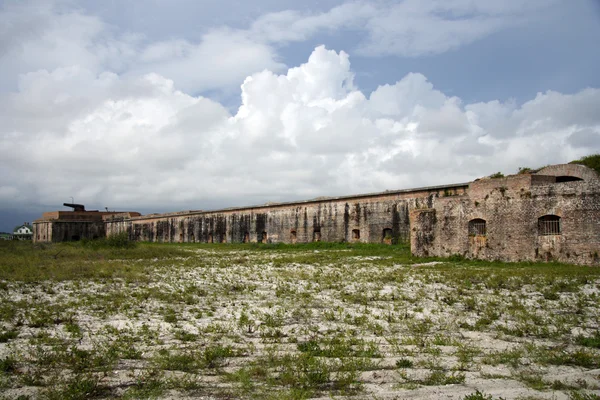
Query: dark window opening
75 238
317 235
192 238
387 236
355 234
293 236
549 225
263 237
477 227
246 237
560 179
181 237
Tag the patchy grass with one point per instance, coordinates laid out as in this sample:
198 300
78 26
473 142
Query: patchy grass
263 321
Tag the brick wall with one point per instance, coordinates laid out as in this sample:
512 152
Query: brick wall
511 208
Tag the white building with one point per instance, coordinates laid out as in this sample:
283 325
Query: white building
23 232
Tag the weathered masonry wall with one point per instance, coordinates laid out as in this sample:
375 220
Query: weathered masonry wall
67 231
66 226
551 215
374 218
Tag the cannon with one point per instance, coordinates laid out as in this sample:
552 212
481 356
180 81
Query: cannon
75 207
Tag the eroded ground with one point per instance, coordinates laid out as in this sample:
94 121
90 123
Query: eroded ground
297 322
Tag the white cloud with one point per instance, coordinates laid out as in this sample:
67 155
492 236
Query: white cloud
408 28
45 36
138 142
293 26
221 59
42 35
50 36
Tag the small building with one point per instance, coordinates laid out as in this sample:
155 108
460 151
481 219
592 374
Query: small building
23 232
70 226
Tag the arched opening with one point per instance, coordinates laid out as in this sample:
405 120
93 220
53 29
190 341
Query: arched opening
246 237
566 178
477 227
549 225
210 238
180 237
355 234
387 236
317 235
293 237
263 237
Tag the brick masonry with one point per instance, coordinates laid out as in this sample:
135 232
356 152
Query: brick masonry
435 219
511 208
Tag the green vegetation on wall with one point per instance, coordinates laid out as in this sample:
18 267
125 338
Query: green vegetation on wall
591 161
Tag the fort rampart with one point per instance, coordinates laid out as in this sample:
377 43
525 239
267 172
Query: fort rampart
553 214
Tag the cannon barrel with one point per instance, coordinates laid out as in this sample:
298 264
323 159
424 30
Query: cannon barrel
75 207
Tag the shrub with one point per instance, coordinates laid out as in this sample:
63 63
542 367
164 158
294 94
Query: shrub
525 170
592 161
404 363
120 240
591 341
479 396
8 364
116 241
5 336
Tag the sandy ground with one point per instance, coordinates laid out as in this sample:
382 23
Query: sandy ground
424 331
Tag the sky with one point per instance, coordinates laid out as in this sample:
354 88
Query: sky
169 105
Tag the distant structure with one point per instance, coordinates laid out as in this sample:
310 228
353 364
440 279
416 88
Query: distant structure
65 226
6 236
550 214
23 232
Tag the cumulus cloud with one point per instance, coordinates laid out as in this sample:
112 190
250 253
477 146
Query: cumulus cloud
139 142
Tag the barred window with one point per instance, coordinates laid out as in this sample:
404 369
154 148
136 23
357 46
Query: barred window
549 225
477 227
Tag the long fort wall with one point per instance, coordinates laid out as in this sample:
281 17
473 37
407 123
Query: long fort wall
553 214
373 218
